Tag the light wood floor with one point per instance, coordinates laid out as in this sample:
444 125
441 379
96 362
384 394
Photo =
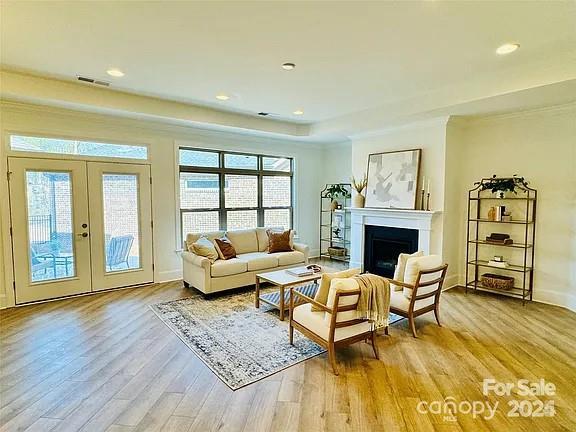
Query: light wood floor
106 362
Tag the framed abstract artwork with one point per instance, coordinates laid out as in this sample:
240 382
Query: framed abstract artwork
393 179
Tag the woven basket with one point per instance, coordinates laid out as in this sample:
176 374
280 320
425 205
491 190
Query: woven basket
494 281
337 251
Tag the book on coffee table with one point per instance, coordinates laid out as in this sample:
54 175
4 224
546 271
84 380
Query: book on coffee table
300 271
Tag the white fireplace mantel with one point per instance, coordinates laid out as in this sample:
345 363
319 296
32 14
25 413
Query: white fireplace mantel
421 220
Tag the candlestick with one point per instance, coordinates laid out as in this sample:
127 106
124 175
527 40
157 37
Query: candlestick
428 202
422 200
428 186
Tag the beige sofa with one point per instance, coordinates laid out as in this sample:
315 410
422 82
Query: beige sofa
252 257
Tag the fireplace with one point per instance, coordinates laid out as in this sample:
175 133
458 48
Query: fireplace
382 245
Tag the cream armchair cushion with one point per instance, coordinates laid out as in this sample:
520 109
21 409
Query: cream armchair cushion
342 284
324 288
413 267
400 269
316 323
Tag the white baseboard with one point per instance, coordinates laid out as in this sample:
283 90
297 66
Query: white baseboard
169 275
556 298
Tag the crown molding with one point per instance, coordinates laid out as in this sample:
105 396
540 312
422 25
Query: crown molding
552 109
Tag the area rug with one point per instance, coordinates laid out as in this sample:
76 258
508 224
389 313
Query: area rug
239 343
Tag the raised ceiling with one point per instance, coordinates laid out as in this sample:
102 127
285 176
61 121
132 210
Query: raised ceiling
350 56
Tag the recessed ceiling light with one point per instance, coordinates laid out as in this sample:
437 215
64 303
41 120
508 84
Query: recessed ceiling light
222 97
115 72
288 66
507 48
298 112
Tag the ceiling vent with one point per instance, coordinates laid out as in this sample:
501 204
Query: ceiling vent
93 81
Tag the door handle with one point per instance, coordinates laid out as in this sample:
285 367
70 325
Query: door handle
84 234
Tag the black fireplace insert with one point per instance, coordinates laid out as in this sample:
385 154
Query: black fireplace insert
382 245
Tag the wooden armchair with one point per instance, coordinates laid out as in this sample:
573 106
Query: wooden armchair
334 326
420 294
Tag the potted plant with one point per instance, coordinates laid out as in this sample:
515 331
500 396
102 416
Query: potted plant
335 191
501 185
359 186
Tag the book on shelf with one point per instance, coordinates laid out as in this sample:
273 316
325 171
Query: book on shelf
499 264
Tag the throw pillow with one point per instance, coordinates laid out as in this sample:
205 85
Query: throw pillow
401 268
279 241
205 248
224 248
324 288
414 266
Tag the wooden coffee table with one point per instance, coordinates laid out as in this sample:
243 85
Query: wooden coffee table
282 279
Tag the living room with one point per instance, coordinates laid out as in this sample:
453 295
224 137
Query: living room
157 217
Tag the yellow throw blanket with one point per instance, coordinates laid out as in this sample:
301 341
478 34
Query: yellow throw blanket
374 301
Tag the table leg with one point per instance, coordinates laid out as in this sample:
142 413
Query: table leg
281 303
257 297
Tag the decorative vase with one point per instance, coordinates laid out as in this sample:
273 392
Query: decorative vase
359 200
333 205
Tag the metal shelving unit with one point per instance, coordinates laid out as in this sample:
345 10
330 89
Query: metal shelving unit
524 270
331 219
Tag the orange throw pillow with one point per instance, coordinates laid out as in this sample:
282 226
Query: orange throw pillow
279 241
225 248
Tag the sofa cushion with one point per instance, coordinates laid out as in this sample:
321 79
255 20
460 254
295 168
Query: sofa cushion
401 268
289 258
324 288
314 321
205 248
228 267
259 260
225 248
192 238
244 241
413 267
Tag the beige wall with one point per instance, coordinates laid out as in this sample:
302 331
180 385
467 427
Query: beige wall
541 146
162 139
430 136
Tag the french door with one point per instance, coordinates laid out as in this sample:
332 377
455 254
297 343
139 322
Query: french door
79 227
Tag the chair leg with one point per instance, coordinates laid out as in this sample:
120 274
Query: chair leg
291 334
437 314
332 358
412 325
386 332
374 347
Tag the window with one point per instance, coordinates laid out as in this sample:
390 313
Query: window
77 148
225 191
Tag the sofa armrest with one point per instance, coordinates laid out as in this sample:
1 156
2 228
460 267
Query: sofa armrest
301 247
196 260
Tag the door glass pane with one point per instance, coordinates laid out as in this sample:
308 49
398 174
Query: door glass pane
239 161
276 191
195 222
241 191
240 219
277 218
49 199
199 191
121 221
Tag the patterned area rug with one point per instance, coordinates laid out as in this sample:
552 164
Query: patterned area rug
239 343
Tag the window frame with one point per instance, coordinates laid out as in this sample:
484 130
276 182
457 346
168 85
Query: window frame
222 171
